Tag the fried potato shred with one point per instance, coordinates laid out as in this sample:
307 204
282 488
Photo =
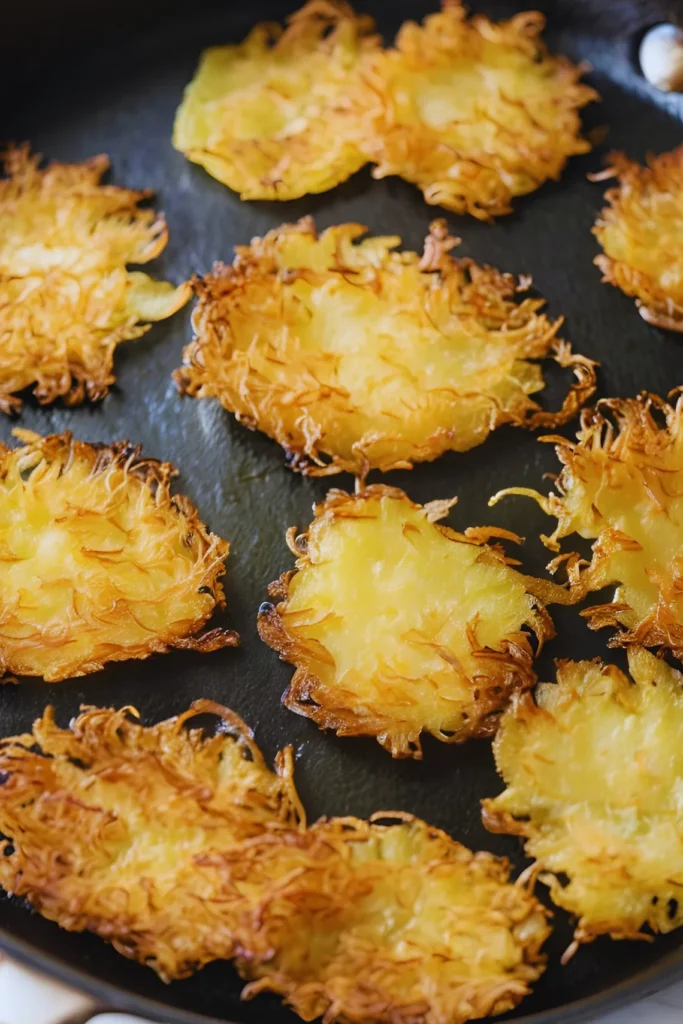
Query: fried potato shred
622 486
474 112
99 561
275 117
640 233
393 923
592 772
108 826
398 625
66 298
353 356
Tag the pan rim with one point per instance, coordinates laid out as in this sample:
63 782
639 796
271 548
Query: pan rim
111 998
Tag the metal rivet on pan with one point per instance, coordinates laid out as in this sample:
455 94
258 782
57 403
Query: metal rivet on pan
661 57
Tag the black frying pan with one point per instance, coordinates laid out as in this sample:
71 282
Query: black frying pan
80 83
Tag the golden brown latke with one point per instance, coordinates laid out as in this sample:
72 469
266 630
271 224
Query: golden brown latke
66 298
641 230
593 771
277 116
109 827
622 485
474 112
99 562
397 625
397 924
354 357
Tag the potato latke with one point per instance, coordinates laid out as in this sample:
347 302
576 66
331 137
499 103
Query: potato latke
393 923
99 561
66 298
641 230
110 826
354 357
397 625
276 117
593 773
622 485
472 111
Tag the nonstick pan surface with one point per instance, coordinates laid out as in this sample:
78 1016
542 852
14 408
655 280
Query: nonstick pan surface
120 99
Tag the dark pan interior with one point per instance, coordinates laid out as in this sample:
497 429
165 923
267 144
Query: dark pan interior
120 98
